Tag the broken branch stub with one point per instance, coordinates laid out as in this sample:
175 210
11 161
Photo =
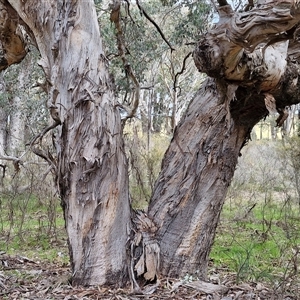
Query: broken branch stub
270 103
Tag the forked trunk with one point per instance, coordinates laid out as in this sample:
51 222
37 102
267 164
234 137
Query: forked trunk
250 75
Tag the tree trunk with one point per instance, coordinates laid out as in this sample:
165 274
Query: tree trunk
200 162
16 133
3 131
196 172
16 127
17 117
91 165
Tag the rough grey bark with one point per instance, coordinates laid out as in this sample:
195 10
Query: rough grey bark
91 165
251 77
196 172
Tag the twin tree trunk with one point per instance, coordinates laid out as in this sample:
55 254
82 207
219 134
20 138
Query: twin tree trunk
91 164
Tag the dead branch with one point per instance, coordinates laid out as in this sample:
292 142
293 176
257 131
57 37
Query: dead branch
40 136
115 18
10 158
155 25
128 11
181 71
15 160
42 85
283 115
39 152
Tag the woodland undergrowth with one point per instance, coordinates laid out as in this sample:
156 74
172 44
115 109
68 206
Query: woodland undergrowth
257 238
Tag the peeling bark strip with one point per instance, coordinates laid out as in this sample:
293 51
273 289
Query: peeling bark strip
149 256
92 168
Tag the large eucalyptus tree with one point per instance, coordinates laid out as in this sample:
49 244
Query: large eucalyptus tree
251 61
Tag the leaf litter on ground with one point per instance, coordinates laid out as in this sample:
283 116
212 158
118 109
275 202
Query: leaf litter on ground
24 279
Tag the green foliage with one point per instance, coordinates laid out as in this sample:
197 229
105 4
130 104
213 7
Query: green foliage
257 247
151 59
192 20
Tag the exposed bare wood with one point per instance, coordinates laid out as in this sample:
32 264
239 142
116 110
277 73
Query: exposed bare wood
147 264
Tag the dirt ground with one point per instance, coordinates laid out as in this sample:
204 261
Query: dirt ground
22 278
